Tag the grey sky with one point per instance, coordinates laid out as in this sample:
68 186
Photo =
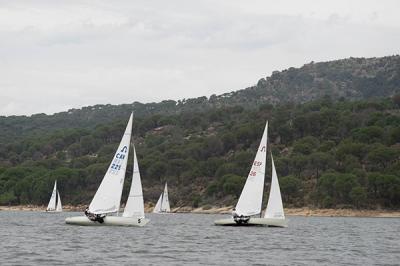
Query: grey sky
56 55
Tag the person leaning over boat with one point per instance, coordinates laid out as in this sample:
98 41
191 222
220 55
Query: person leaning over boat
234 214
239 219
94 217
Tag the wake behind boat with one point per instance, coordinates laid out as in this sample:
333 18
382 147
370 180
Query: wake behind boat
106 202
249 204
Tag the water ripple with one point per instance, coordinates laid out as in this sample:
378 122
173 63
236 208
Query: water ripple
34 238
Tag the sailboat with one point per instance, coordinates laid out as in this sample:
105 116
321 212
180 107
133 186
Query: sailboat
250 201
106 201
55 200
162 205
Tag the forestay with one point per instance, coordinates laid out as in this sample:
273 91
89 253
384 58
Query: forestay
274 206
135 206
108 196
52 203
250 199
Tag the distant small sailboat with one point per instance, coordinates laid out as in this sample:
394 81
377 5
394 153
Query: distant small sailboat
250 200
162 205
55 200
104 208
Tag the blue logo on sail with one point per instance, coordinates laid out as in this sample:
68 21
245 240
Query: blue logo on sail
118 160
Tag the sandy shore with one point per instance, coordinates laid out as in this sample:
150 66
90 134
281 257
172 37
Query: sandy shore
227 210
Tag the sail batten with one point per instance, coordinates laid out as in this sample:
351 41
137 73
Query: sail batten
108 196
250 199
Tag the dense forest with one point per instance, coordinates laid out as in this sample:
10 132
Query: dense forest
334 131
327 153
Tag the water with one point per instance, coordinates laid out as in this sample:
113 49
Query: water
33 238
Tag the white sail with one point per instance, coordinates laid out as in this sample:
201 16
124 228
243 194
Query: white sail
157 208
274 206
250 200
165 201
59 206
134 206
52 203
108 196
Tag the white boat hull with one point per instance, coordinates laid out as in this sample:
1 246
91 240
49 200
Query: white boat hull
108 221
254 222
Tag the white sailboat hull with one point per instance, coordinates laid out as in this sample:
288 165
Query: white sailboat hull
254 222
108 221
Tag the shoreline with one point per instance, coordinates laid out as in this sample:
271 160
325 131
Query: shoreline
305 211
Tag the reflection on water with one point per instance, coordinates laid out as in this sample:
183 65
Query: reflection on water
33 238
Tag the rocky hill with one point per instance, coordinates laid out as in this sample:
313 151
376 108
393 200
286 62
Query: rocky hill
350 79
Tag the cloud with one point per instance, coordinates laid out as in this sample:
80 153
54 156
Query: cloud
71 54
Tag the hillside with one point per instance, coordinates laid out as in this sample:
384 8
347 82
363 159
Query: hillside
334 146
327 153
351 79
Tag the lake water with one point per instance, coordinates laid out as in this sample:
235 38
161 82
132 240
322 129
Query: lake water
34 238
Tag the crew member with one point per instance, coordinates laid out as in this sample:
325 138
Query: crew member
234 213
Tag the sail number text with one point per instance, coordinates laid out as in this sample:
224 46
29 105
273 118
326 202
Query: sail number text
117 162
253 173
257 163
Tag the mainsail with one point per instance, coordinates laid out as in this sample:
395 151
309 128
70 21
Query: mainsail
135 206
274 206
52 203
108 196
250 199
163 202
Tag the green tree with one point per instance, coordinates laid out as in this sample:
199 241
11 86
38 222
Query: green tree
358 196
233 184
382 156
290 188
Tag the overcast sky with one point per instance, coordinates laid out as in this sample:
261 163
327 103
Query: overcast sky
56 55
